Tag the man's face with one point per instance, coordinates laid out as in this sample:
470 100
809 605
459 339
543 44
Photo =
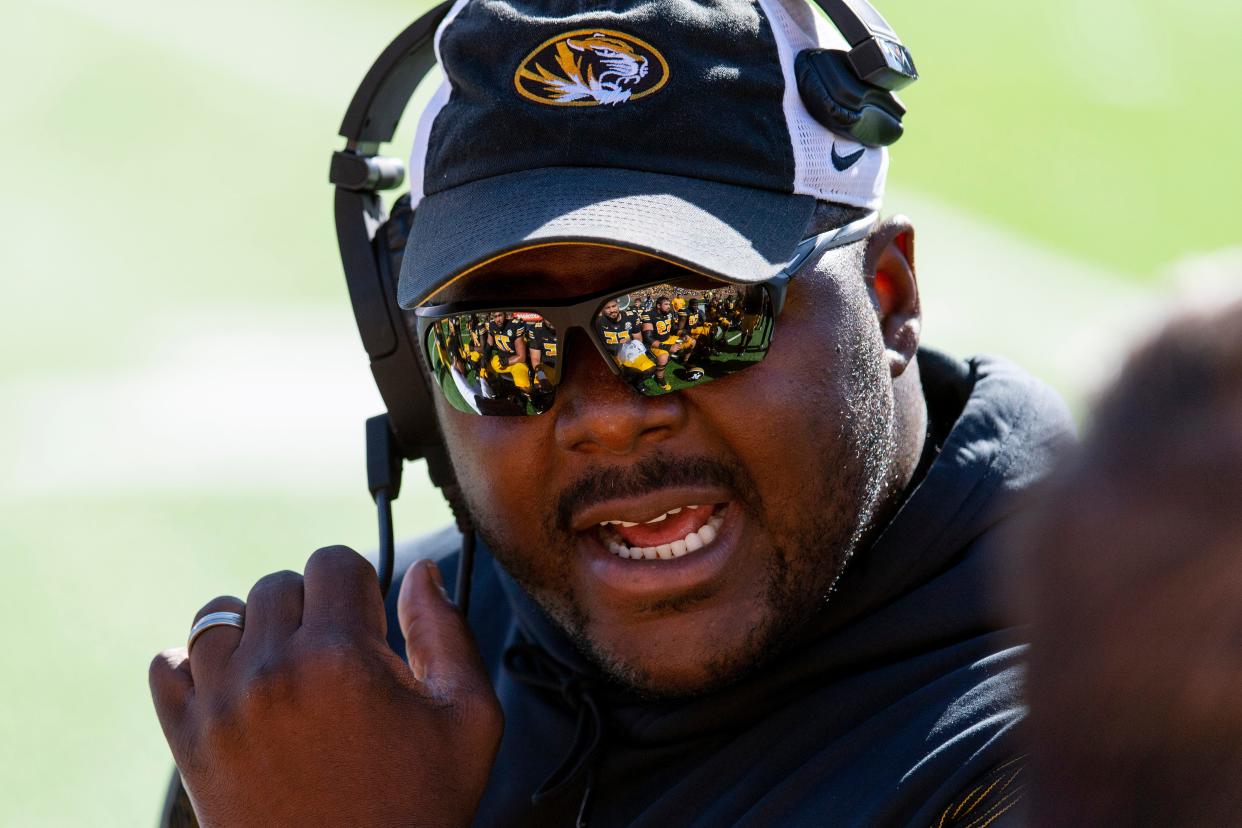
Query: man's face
787 460
612 310
498 318
665 306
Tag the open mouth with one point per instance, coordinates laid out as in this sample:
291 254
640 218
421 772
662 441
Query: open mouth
671 535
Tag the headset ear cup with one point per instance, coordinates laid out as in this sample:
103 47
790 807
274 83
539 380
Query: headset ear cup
402 375
844 103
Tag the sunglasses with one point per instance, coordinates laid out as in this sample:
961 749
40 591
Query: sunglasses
660 337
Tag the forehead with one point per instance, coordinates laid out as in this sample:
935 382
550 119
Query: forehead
556 272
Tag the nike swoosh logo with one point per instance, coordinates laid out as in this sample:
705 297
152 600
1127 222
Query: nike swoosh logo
844 162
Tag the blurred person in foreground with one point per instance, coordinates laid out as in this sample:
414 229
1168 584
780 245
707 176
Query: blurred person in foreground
761 597
1132 579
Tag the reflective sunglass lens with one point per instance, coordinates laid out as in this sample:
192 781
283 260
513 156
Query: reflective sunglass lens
674 336
661 339
496 363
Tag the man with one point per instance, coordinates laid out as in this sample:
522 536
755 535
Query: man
661 333
814 640
541 345
506 348
621 333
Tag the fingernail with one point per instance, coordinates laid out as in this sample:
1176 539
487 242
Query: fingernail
433 572
418 669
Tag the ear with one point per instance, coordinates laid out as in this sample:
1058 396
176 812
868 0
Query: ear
894 290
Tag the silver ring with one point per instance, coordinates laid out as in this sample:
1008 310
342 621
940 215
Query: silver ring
212 619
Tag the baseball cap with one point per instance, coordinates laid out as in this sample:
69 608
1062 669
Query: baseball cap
672 128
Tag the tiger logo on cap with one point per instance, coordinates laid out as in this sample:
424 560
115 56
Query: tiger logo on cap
591 67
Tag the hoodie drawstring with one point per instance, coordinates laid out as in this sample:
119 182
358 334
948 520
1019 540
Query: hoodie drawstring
531 666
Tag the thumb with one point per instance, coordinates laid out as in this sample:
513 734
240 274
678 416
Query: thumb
438 644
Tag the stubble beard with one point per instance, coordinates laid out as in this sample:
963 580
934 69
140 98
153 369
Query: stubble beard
798 583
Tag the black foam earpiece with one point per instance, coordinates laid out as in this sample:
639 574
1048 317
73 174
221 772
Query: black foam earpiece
844 103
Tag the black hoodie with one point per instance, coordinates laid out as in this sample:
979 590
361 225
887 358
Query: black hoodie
897 709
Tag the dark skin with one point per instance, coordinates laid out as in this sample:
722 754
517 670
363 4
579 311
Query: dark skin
659 639
310 699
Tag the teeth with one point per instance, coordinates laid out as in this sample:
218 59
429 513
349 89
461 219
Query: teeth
692 542
626 523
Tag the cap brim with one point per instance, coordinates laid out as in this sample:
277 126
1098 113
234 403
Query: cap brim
741 234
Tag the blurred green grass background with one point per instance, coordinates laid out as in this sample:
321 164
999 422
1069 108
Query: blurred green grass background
182 383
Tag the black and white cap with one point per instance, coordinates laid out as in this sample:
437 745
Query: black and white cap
669 127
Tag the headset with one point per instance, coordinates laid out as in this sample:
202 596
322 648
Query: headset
849 92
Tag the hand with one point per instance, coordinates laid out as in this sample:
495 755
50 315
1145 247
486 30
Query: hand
307 717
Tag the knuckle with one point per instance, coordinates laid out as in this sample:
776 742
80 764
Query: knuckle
221 730
334 657
221 718
337 559
269 684
161 665
221 603
274 584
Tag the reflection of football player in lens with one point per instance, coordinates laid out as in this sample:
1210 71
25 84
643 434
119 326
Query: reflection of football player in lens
541 341
661 330
621 332
441 334
506 343
733 313
752 316
720 316
687 338
467 355
694 327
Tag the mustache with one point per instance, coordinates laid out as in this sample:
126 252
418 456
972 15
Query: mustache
656 472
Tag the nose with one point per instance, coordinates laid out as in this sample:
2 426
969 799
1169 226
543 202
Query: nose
599 413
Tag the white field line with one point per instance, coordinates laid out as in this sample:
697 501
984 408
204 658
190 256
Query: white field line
274 400
223 403
986 289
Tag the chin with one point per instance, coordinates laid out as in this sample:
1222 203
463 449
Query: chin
686 654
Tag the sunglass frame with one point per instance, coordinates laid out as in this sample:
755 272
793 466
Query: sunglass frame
582 312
